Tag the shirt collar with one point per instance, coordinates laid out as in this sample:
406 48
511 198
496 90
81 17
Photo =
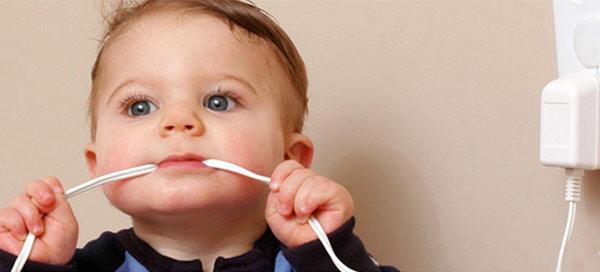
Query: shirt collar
261 257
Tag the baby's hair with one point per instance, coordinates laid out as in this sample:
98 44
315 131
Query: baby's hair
245 15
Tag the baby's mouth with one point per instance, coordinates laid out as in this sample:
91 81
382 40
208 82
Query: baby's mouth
186 161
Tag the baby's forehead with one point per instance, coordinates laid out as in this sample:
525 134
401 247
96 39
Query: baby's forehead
202 38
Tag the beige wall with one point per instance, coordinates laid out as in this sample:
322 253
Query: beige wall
427 111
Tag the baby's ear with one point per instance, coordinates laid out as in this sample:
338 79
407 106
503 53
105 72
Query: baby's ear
299 148
90 158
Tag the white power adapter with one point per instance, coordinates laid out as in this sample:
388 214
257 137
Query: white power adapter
570 122
570 135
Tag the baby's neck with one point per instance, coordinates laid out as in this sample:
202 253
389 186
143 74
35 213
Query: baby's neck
205 239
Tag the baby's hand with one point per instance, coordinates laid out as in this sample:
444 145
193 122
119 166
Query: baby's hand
43 211
296 194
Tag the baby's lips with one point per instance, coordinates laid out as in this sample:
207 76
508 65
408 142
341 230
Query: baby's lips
188 160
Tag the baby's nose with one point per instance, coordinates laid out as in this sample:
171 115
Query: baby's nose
182 123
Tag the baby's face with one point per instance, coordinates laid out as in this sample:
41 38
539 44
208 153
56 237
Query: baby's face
176 90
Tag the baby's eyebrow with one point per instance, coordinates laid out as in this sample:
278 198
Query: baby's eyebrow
130 81
240 80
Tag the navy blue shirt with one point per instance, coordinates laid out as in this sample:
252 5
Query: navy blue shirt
124 251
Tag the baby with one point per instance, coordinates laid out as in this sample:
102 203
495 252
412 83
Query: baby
175 83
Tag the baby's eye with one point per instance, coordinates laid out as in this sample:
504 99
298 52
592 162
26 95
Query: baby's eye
220 103
140 108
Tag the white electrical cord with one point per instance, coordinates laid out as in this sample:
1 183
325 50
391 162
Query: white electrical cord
572 195
115 176
314 223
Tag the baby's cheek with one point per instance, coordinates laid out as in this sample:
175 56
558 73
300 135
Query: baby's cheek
114 158
261 154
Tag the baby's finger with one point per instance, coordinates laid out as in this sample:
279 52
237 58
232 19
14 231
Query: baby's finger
55 184
289 188
282 171
12 220
42 195
314 192
30 214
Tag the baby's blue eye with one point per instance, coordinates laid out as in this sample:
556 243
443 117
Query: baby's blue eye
220 103
141 108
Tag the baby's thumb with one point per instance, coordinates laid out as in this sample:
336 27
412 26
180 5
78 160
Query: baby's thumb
62 214
62 229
